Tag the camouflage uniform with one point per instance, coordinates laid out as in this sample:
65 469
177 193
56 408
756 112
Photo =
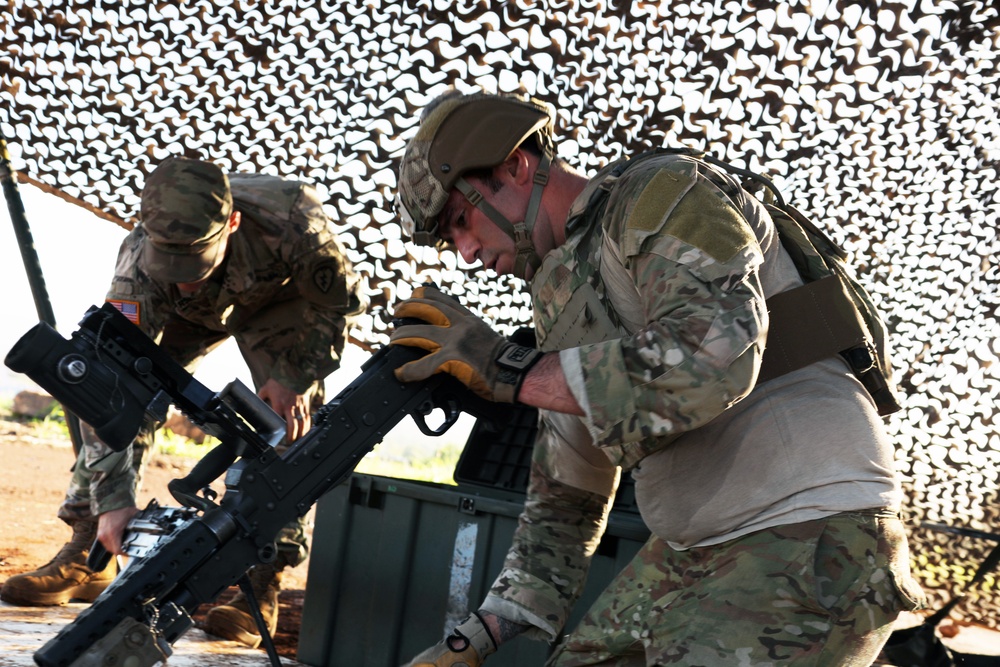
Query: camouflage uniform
287 295
773 507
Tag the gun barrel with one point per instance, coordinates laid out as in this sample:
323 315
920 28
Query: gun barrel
264 491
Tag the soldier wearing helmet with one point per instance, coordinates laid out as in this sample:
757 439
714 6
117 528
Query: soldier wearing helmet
773 504
216 256
457 139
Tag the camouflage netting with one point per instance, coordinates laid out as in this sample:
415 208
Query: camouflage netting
881 118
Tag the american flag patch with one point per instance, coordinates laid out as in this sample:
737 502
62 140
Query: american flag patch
130 309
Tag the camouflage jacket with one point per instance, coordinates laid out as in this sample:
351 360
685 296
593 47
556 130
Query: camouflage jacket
688 259
656 304
284 269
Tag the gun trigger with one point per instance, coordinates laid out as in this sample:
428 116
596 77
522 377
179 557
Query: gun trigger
451 410
421 419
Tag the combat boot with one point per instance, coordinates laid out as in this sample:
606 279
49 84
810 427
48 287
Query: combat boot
234 621
66 577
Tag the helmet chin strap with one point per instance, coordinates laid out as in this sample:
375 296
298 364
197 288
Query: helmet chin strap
520 232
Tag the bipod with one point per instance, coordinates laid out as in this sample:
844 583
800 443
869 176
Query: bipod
258 618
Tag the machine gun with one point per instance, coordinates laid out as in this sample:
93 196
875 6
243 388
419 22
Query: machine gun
112 376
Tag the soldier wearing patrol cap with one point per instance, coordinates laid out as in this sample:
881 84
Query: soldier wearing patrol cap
215 256
773 505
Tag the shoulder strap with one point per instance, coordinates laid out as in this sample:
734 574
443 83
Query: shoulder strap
829 314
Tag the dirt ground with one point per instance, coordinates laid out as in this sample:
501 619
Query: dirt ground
35 474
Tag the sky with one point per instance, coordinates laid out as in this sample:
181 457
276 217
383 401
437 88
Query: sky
77 252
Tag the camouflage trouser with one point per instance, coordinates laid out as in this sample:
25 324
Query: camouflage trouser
819 593
105 480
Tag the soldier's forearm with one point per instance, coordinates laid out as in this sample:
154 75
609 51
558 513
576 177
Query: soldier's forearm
500 628
545 387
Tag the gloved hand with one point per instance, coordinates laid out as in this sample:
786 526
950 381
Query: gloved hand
467 646
460 344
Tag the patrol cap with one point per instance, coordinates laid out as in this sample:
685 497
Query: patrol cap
184 209
462 133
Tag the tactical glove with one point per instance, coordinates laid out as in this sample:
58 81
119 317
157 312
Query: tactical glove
460 344
467 646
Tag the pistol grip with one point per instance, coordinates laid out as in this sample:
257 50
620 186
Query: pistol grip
98 558
207 470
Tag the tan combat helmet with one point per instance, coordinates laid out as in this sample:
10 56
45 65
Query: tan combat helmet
462 133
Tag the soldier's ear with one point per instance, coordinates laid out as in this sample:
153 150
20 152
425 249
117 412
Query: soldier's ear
517 167
234 221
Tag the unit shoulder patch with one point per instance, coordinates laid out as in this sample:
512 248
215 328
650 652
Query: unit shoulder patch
657 199
706 219
324 278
